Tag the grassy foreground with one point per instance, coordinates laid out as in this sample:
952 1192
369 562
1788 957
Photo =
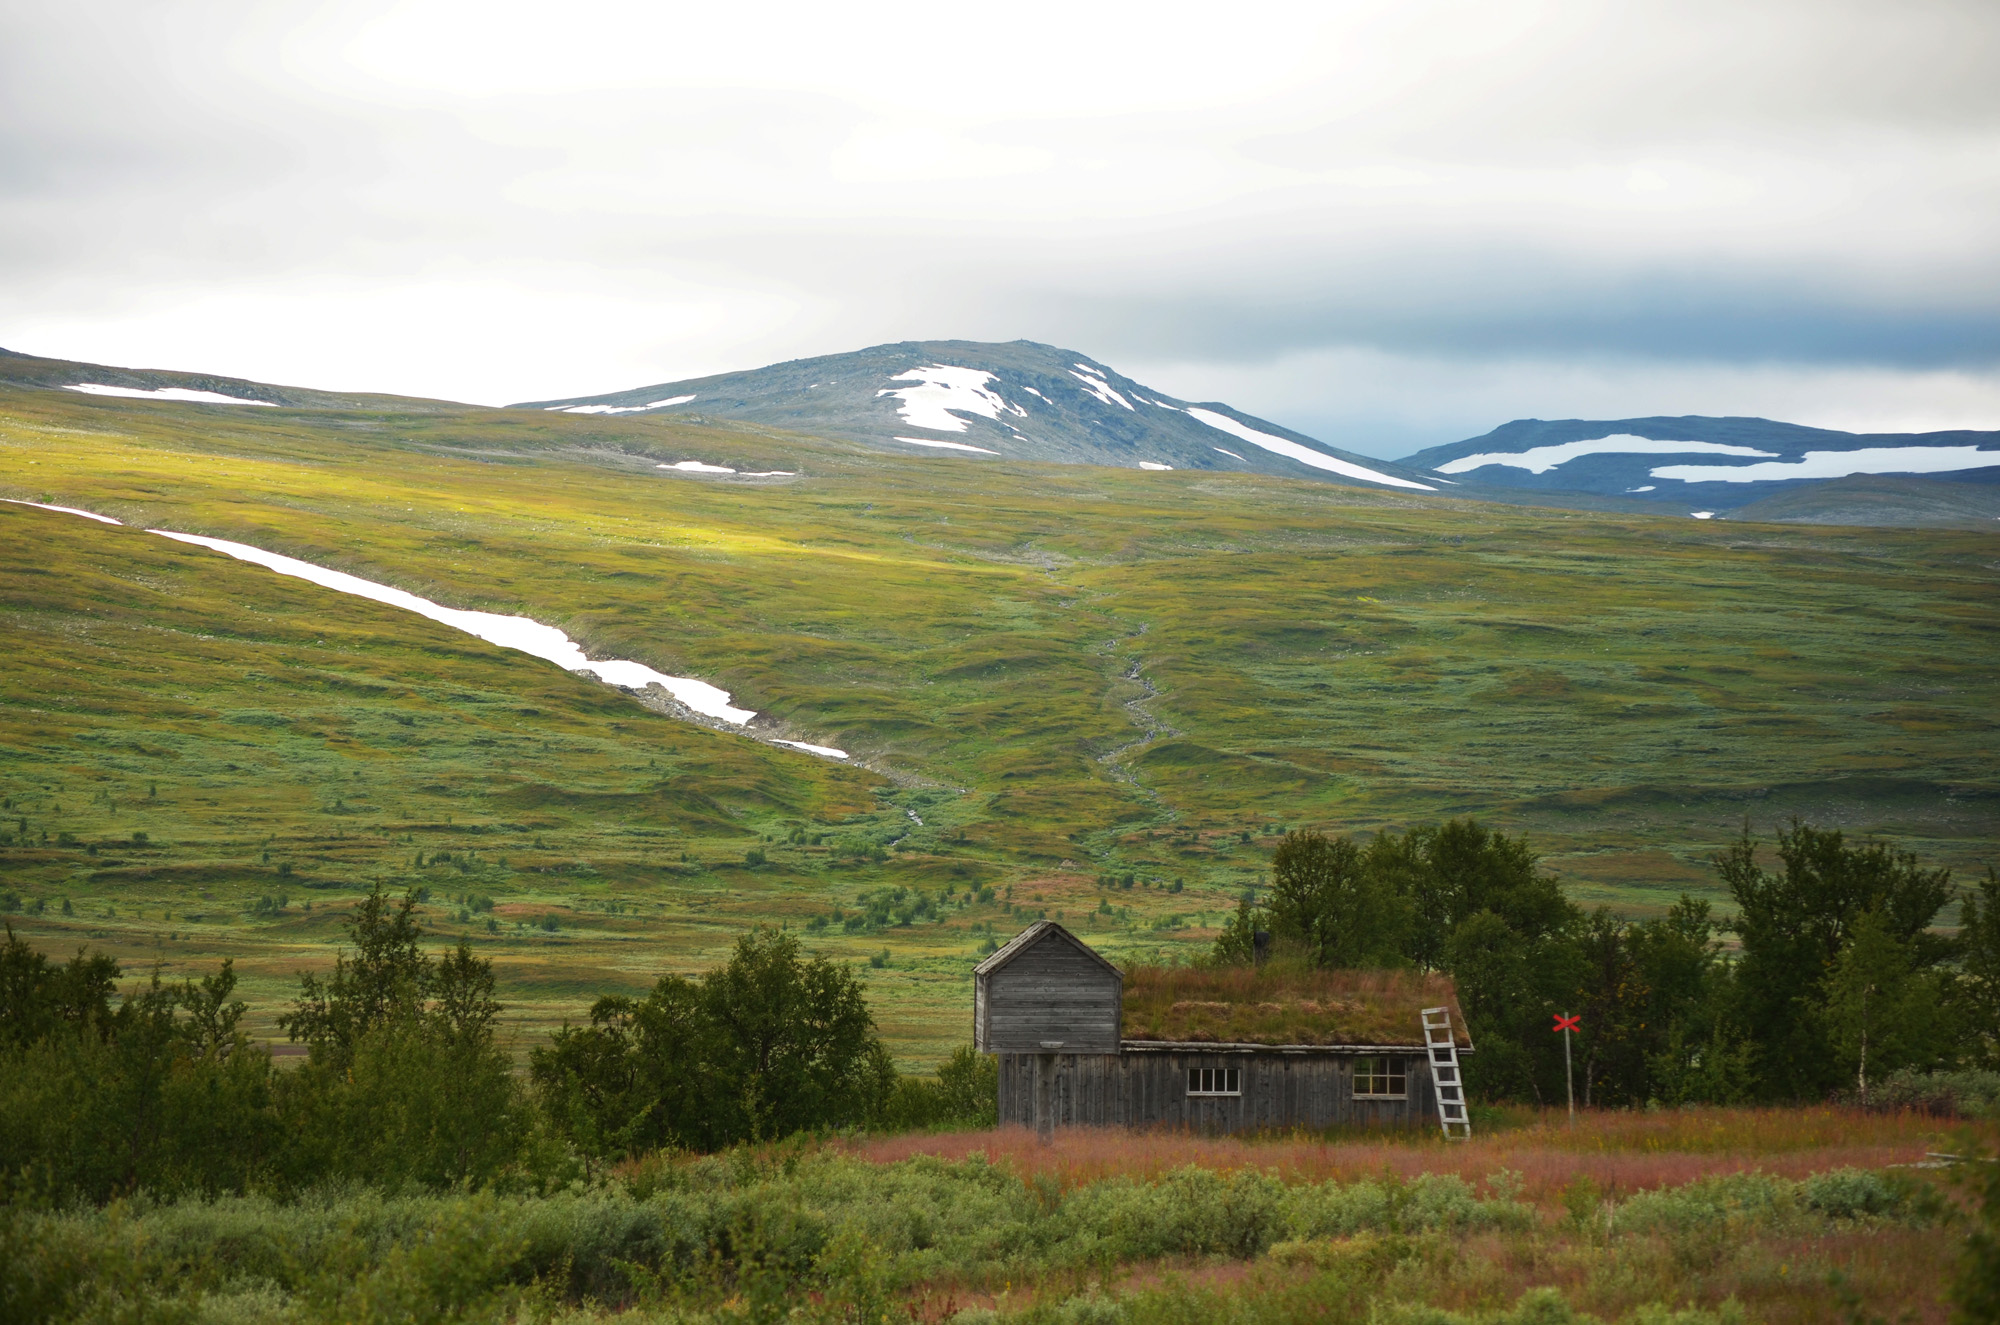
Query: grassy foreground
1693 1216
1055 681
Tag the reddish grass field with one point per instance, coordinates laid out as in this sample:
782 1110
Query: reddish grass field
1859 1272
1620 1151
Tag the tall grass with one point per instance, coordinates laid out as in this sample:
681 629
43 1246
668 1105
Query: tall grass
1535 1154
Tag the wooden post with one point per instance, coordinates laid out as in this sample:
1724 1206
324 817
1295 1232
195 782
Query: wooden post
1569 1080
1045 1114
1566 1026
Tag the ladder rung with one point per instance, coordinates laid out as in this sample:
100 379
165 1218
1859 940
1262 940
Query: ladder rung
1441 1047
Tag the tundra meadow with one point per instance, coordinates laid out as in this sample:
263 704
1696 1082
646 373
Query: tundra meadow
358 970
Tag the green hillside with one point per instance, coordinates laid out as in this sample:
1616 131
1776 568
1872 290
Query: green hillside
1064 672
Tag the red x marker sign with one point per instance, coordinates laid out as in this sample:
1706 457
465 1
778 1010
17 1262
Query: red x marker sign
1567 1023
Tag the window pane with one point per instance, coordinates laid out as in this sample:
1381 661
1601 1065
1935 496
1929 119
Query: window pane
1194 1081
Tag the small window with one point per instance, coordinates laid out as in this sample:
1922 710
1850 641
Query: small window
1379 1078
1215 1081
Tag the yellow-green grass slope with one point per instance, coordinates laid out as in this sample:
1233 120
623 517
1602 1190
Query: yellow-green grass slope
1064 672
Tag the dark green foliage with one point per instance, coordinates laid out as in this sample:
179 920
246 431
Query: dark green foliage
964 1093
1653 998
1794 925
405 1084
96 1101
1976 994
1487 914
36 998
411 1109
1328 904
1458 898
1237 944
1838 964
767 1045
1454 872
385 980
1697 1051
1977 1292
1880 1013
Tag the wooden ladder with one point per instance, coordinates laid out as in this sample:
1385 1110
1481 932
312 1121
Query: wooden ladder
1443 1049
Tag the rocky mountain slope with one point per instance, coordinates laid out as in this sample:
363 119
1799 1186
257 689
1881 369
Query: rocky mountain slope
1019 401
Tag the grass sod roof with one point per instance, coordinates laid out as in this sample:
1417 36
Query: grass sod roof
1279 1006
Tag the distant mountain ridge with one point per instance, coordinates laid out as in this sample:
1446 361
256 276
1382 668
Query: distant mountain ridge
973 401
1019 401
173 385
1717 465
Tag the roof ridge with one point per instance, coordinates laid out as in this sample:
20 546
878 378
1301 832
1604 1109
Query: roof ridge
1032 934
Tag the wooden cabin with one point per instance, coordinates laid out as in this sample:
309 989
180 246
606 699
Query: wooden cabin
1232 1050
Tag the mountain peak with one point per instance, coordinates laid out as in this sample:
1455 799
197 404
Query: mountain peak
1018 400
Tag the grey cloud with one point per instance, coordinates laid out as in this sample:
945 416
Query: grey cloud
165 151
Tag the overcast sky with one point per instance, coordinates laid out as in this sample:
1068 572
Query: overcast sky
1385 224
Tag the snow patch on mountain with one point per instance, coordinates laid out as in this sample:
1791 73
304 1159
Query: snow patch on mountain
180 393
825 751
66 510
1840 464
942 389
1153 464
1305 455
509 632
618 409
1226 451
1093 382
948 446
1541 459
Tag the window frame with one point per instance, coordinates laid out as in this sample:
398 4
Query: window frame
1214 1083
1392 1071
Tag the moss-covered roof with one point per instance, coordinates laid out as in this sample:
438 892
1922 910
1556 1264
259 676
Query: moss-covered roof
1246 1005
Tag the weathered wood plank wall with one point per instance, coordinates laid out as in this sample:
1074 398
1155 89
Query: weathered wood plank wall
1281 1089
1050 992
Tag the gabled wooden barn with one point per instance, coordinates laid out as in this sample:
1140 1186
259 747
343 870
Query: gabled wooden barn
1230 1050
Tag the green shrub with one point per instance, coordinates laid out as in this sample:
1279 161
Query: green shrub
767 1045
1971 1093
1757 1199
965 1093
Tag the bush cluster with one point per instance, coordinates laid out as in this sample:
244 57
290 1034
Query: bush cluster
405 1087
1839 979
800 1230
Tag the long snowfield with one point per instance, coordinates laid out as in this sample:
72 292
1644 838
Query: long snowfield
523 634
183 394
1769 466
